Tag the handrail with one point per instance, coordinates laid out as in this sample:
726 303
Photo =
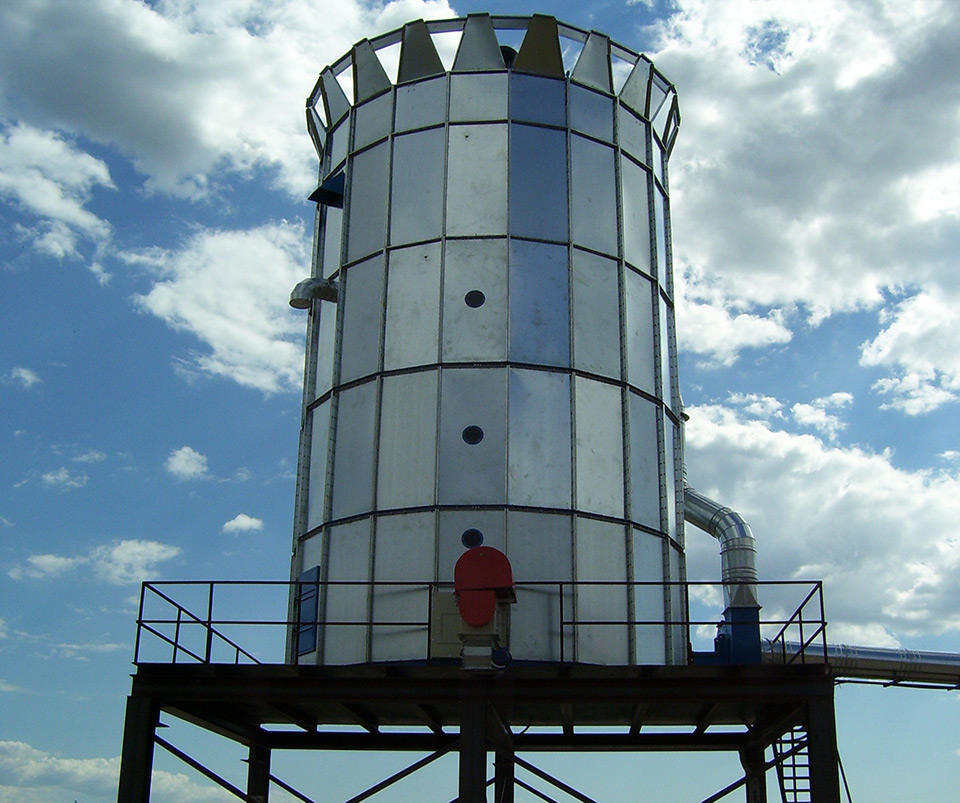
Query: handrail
174 630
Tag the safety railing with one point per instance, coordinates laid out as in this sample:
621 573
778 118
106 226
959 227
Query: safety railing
803 637
254 622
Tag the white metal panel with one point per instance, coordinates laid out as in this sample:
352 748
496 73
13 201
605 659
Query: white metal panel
476 330
411 331
593 196
373 120
416 200
326 346
361 300
540 548
353 455
403 553
421 104
648 600
320 435
478 97
632 134
367 181
636 214
644 462
477 180
642 351
539 303
601 555
539 439
599 447
408 441
591 113
596 314
538 182
349 562
472 473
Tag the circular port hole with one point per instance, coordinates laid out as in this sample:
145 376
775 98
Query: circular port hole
474 299
472 435
471 538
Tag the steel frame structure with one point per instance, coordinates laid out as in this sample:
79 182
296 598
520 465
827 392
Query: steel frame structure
743 709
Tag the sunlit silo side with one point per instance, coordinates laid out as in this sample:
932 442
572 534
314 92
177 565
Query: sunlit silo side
493 224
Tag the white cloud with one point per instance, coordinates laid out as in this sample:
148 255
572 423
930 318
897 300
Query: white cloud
130 561
93 456
62 478
920 342
798 180
187 89
817 416
29 775
122 562
52 181
230 290
758 405
881 538
186 463
242 523
24 376
81 651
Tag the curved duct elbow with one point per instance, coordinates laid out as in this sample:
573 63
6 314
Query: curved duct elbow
738 548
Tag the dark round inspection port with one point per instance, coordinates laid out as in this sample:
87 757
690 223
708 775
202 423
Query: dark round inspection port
471 538
474 299
472 435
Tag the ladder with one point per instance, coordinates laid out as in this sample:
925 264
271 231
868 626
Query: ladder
793 766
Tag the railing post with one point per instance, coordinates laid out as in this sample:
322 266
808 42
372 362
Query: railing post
209 650
176 633
136 646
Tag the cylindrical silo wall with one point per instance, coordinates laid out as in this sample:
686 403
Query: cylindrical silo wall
501 357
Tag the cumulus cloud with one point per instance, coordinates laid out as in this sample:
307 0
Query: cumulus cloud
242 523
130 561
120 563
920 343
880 537
799 182
757 404
186 89
51 180
187 463
229 289
29 775
817 413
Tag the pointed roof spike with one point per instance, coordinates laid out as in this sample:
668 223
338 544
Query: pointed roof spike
335 103
369 77
418 56
593 66
636 90
316 130
479 48
540 51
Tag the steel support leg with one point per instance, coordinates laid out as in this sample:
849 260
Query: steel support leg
503 777
136 758
755 768
822 749
258 773
473 751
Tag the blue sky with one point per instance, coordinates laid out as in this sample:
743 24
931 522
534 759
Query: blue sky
153 170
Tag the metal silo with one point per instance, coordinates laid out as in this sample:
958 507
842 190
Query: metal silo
491 346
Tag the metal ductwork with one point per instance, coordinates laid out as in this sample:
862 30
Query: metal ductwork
738 548
890 664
